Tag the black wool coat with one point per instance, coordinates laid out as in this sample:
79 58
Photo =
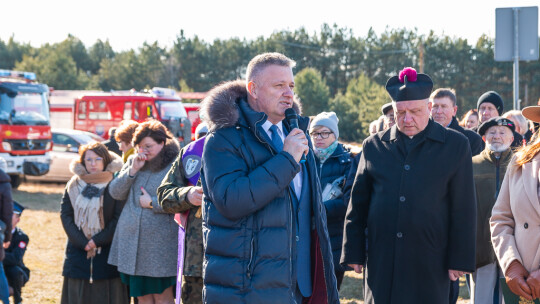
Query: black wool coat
6 207
337 165
420 212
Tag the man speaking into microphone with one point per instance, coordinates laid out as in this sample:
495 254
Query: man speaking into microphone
264 225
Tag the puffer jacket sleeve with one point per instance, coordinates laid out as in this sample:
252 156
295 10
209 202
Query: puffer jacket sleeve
7 209
335 207
172 193
74 234
350 179
236 189
121 184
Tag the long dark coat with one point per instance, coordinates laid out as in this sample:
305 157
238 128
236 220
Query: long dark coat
420 213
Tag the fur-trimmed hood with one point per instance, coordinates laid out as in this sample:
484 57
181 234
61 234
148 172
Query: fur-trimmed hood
78 169
220 109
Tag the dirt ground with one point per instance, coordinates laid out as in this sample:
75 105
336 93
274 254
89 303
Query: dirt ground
45 254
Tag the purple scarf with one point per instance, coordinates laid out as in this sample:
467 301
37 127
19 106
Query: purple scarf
191 163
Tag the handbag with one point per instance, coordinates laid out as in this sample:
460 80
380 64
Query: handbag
333 190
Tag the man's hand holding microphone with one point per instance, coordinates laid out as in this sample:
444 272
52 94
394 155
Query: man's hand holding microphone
296 143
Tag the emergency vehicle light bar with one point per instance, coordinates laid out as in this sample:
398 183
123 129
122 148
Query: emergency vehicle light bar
17 74
163 92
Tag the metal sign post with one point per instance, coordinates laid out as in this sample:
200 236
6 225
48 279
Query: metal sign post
516 58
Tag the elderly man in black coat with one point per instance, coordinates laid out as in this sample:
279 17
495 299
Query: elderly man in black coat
414 193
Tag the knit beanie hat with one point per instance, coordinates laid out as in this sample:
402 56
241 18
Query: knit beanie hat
491 97
326 119
201 128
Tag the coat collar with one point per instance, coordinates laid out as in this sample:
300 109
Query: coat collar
530 180
490 156
454 124
434 131
226 106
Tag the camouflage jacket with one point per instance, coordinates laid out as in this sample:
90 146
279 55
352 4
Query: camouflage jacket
172 197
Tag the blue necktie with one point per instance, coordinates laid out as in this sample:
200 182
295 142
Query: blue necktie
276 139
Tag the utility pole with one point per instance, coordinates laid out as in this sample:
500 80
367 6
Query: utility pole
421 57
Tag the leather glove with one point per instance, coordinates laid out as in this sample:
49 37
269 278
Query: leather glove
515 278
534 283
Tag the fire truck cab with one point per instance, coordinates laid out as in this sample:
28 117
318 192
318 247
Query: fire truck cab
25 131
97 113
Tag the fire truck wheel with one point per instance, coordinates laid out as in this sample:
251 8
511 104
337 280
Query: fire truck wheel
15 181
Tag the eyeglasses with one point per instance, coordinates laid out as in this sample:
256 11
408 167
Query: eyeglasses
323 135
147 147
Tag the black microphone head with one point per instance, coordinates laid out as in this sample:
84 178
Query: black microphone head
290 113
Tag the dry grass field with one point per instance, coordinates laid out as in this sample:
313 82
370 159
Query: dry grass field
41 221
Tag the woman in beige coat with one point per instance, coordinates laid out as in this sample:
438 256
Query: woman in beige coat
515 220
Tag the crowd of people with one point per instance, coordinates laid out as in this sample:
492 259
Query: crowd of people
267 206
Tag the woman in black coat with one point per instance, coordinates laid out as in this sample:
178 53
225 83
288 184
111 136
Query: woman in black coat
89 215
334 163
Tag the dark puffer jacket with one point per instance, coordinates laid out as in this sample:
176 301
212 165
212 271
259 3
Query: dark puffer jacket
337 165
248 230
6 207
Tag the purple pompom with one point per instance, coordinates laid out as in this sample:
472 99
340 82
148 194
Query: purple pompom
411 75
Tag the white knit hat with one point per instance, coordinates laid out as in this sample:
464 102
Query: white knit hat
326 119
201 128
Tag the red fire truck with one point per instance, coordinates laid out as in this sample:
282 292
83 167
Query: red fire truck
98 112
25 130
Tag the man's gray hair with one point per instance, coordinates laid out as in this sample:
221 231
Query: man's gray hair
518 119
261 61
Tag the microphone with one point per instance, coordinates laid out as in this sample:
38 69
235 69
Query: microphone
292 119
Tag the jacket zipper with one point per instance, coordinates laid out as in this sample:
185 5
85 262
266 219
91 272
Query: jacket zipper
293 286
291 242
249 270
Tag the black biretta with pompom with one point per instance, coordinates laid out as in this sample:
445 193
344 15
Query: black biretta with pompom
409 85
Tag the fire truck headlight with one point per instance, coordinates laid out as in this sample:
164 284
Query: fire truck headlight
6 146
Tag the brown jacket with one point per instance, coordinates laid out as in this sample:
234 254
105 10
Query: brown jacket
515 220
485 167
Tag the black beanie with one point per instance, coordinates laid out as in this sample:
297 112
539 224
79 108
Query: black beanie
493 98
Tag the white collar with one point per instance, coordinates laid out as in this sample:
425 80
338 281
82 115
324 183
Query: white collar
267 124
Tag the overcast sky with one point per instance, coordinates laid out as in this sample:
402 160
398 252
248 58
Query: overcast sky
127 24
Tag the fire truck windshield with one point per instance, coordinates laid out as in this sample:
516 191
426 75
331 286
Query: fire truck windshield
24 109
171 109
